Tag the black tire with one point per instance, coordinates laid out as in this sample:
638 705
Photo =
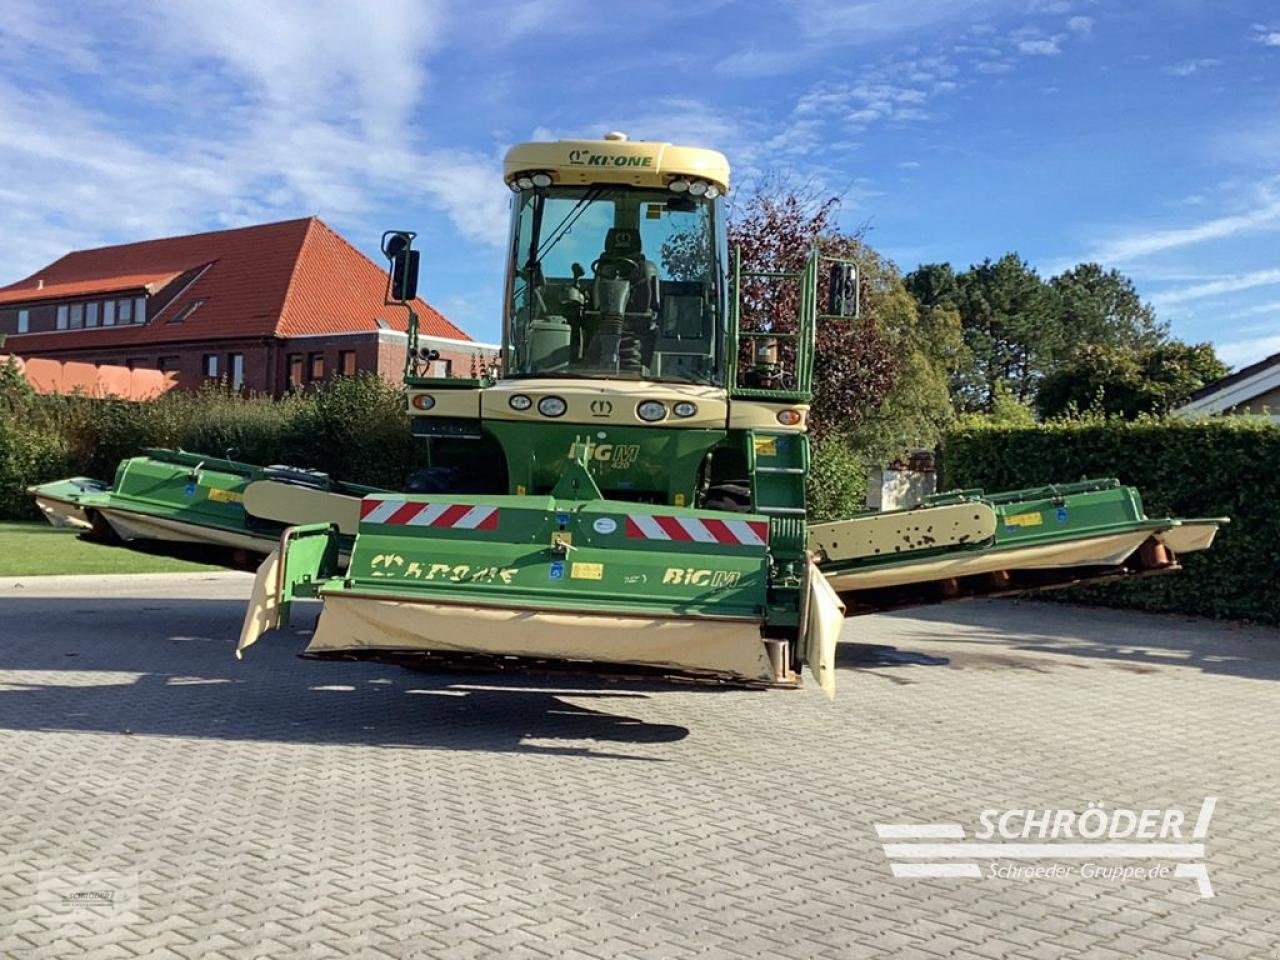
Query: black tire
731 497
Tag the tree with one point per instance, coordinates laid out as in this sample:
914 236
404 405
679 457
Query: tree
1018 329
1102 308
1009 317
774 228
1126 382
881 383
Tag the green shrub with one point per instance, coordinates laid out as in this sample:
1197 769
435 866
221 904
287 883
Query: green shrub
837 481
354 428
1226 466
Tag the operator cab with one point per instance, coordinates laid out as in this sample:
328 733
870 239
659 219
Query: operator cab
616 280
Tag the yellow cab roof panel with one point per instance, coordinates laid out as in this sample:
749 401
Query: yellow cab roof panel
641 163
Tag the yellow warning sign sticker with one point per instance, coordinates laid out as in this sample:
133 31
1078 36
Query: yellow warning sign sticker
587 571
225 496
766 446
1025 520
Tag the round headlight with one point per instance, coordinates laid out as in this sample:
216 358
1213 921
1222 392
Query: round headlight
651 411
685 409
541 179
423 401
552 407
789 418
712 191
678 186
515 187
698 187
519 401
524 181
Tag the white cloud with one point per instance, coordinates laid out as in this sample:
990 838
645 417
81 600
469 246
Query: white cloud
1217 287
1241 353
864 21
1189 68
1125 249
752 61
1081 25
1043 47
1270 39
266 111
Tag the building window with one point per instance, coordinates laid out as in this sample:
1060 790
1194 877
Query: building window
186 311
62 316
125 311
295 371
24 321
77 316
136 363
235 369
315 367
441 368
91 314
109 313
140 310
347 363
170 364
210 365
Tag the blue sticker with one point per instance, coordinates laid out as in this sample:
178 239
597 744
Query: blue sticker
557 569
1062 514
562 519
191 489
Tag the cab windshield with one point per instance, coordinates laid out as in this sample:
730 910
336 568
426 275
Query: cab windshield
615 282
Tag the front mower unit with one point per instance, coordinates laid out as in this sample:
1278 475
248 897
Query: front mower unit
570 577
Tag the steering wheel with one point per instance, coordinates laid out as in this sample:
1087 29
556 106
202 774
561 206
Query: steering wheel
611 268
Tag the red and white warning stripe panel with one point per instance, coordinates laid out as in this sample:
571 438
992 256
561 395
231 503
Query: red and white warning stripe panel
456 516
745 533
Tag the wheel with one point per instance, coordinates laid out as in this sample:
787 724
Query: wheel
731 496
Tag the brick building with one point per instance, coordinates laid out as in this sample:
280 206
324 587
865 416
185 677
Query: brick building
266 307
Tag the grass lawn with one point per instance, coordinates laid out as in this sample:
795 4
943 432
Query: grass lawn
36 549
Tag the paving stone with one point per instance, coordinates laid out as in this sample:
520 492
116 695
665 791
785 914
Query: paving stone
280 807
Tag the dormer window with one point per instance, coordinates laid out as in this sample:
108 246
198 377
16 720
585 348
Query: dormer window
187 311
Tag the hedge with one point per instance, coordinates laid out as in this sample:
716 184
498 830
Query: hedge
354 428
1205 468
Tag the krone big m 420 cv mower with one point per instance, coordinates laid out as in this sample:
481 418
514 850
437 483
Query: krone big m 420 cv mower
629 494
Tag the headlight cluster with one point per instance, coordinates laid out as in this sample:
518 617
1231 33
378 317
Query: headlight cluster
530 179
695 188
423 401
684 409
547 406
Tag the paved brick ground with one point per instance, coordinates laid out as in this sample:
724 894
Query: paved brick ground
279 808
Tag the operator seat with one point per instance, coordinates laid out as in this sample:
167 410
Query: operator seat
623 244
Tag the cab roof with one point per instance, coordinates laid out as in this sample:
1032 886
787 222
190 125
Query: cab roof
615 159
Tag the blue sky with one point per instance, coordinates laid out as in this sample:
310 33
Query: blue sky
1144 134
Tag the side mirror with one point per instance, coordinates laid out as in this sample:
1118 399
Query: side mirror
397 246
842 289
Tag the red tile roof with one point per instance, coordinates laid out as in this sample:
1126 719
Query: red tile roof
25 291
287 279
